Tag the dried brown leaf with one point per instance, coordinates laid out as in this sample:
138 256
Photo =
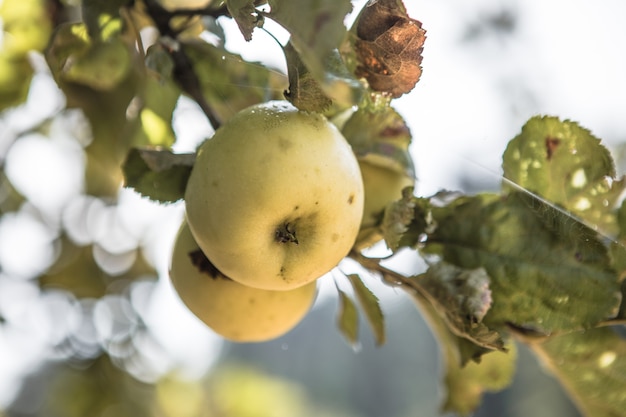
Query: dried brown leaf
389 47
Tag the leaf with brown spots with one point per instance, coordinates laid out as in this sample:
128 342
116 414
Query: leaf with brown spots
389 47
548 274
565 164
551 145
592 366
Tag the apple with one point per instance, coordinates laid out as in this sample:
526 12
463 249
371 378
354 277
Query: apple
275 197
382 185
234 311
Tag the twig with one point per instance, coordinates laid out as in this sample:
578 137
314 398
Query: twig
183 72
613 322
128 18
207 11
189 82
389 276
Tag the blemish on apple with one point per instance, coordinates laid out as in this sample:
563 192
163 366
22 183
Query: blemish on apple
284 144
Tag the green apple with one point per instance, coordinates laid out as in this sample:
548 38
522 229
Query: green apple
383 185
234 311
275 198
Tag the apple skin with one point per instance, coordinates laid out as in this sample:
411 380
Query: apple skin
383 185
275 197
235 311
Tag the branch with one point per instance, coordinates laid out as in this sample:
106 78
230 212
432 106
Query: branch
483 337
392 277
207 11
189 82
183 73
613 322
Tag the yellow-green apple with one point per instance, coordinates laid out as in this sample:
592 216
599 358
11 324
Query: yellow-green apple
383 185
234 311
275 197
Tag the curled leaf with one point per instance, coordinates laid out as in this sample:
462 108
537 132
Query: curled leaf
406 221
389 47
463 298
305 91
246 15
398 216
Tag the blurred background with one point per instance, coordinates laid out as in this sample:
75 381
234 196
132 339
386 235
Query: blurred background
99 331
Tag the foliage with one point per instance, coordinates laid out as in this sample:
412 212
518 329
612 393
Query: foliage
541 262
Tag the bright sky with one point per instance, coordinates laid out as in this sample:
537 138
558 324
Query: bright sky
564 58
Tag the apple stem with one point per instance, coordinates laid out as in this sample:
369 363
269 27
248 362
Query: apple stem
284 234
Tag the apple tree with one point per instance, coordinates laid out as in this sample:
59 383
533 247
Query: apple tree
541 262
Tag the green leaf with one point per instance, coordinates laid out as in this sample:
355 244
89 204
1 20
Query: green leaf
245 14
152 118
329 92
305 92
69 39
230 84
592 367
15 77
306 21
102 17
462 297
74 58
104 101
465 385
102 67
405 221
26 25
549 273
158 174
371 306
348 318
565 164
470 369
